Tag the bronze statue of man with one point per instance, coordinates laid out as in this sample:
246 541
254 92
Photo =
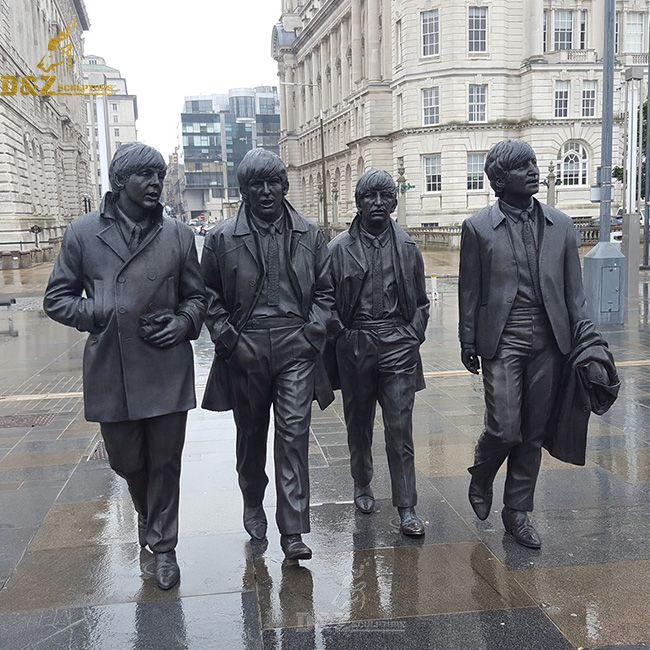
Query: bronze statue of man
520 295
270 297
379 321
144 300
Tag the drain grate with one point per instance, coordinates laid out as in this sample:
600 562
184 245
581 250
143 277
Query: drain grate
26 420
99 452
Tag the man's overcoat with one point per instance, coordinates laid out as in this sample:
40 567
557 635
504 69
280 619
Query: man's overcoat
125 378
489 279
233 267
350 270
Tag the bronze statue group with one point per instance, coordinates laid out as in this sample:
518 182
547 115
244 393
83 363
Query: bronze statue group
293 318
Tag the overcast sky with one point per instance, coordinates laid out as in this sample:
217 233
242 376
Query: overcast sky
166 51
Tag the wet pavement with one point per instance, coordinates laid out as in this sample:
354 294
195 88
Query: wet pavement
74 576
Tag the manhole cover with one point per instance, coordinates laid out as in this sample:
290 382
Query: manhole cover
33 420
99 453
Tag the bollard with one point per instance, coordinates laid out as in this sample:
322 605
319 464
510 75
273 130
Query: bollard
434 287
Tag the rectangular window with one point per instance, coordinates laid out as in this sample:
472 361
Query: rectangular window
398 42
432 173
114 106
116 119
547 20
430 33
633 36
116 132
475 176
588 98
617 33
477 103
561 99
563 29
477 29
583 29
430 106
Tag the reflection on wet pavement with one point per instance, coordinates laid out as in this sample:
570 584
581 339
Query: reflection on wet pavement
74 575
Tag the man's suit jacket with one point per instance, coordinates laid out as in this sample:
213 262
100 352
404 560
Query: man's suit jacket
350 270
233 268
489 278
124 377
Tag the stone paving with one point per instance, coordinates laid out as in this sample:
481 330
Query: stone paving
74 576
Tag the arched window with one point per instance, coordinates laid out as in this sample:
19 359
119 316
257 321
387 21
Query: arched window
573 164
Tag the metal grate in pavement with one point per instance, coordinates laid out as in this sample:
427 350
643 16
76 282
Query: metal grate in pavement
99 452
26 420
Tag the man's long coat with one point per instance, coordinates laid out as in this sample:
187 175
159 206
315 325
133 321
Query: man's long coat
233 267
488 280
125 378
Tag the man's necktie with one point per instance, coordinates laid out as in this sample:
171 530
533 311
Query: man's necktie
136 236
274 267
531 253
377 281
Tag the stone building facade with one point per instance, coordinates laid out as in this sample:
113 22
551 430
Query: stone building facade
44 171
426 87
111 120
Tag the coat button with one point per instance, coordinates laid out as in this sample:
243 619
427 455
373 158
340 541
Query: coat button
122 310
121 279
509 300
252 283
151 275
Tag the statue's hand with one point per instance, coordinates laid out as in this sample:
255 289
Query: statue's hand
173 332
470 359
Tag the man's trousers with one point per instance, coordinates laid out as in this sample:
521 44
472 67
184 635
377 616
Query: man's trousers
378 363
520 388
147 454
274 367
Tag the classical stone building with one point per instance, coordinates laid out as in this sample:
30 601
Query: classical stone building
111 119
427 87
44 173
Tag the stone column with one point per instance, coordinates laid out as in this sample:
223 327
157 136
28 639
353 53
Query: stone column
345 70
284 96
289 98
356 41
373 50
325 84
534 27
316 109
300 93
596 27
334 54
309 104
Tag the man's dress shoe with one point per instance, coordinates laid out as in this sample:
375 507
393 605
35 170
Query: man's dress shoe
294 548
516 522
166 569
410 523
480 496
255 521
364 499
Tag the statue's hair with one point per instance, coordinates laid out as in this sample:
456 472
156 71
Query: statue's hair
377 180
263 164
131 158
504 156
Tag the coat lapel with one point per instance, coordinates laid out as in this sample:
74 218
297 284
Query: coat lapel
243 231
547 233
400 250
113 238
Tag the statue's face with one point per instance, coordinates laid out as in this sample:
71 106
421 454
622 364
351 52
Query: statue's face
264 198
523 180
144 187
376 206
